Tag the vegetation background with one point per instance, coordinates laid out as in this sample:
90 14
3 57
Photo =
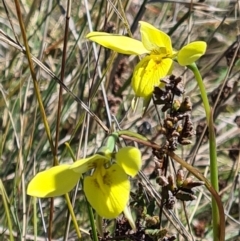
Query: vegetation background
102 82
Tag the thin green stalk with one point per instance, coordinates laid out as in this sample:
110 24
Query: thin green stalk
3 194
213 172
70 208
70 151
92 222
212 148
201 86
35 219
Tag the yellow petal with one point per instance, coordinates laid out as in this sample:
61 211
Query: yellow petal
147 74
118 43
55 181
154 40
191 52
85 164
110 201
129 158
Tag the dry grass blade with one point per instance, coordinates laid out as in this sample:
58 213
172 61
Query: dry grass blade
94 86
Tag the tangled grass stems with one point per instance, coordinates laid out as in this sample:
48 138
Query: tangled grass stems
23 138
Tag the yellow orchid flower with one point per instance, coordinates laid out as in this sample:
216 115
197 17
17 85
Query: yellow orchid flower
107 189
159 59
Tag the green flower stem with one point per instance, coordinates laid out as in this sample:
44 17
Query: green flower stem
127 135
111 141
219 232
201 86
91 217
212 148
214 173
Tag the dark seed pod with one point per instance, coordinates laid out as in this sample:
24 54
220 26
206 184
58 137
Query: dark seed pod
166 107
168 124
175 133
151 220
175 119
186 105
156 233
187 190
158 92
237 121
179 128
180 178
189 183
171 238
171 185
162 181
170 201
166 79
159 102
184 196
161 130
176 105
234 152
184 142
